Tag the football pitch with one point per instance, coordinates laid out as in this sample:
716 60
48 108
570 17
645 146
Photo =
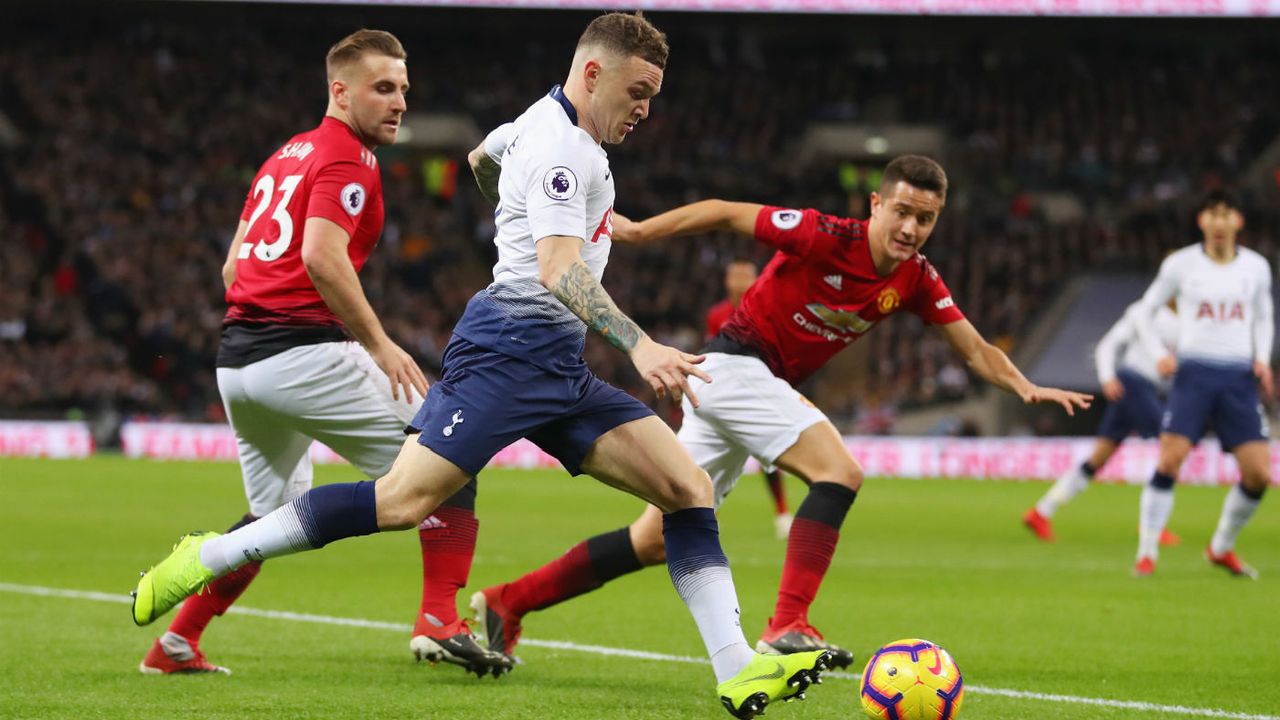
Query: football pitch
1039 631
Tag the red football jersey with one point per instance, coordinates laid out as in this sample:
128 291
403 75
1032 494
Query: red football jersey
718 315
326 173
820 292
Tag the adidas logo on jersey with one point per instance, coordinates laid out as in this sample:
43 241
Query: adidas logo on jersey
835 281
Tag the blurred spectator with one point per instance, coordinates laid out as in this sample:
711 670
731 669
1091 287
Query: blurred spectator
142 135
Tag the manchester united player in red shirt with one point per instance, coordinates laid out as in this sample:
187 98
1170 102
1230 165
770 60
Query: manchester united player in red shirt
830 282
288 371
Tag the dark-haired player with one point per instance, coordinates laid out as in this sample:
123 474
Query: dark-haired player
830 282
514 368
1223 358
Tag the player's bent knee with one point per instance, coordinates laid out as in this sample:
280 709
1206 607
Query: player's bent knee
692 491
679 493
1255 480
850 476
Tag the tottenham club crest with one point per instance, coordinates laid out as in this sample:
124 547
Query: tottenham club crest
353 196
560 183
786 219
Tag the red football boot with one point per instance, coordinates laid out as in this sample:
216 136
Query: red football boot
501 626
1038 524
1144 567
1231 562
172 654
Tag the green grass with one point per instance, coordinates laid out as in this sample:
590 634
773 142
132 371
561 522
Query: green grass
944 560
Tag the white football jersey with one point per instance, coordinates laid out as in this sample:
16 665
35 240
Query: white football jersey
555 181
1224 309
1123 340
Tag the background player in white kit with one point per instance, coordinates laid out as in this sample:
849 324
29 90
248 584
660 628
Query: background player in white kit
514 369
288 373
1223 358
1134 391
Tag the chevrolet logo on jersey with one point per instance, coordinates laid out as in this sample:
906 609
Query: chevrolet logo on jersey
842 320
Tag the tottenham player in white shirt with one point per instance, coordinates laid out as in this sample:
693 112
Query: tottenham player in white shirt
1222 361
1134 393
514 369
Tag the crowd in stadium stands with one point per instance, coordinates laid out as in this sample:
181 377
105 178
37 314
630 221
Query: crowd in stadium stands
138 146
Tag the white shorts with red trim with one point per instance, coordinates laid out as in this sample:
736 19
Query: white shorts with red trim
331 392
746 411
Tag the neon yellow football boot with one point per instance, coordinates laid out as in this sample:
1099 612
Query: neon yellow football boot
769 678
176 577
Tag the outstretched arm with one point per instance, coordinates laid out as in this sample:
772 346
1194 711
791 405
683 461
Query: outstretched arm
995 367
562 271
700 217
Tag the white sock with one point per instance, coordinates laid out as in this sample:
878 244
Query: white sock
1064 488
275 534
1237 509
712 600
1157 505
730 660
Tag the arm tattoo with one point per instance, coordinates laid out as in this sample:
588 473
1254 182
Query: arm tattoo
578 289
487 172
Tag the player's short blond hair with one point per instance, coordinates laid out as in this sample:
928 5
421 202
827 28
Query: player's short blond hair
627 35
352 48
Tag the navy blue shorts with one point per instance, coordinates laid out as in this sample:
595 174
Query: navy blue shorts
487 400
1138 411
1221 397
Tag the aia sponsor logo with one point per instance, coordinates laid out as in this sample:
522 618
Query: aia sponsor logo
1220 311
605 230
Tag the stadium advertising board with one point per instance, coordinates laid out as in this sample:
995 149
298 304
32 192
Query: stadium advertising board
45 439
909 457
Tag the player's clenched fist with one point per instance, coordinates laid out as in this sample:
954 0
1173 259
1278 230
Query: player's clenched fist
667 369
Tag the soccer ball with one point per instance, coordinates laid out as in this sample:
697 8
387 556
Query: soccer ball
912 680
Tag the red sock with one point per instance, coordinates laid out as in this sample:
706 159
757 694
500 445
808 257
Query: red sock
567 576
200 609
585 567
809 550
448 539
812 542
776 490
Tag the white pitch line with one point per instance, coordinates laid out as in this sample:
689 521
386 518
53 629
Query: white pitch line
644 654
